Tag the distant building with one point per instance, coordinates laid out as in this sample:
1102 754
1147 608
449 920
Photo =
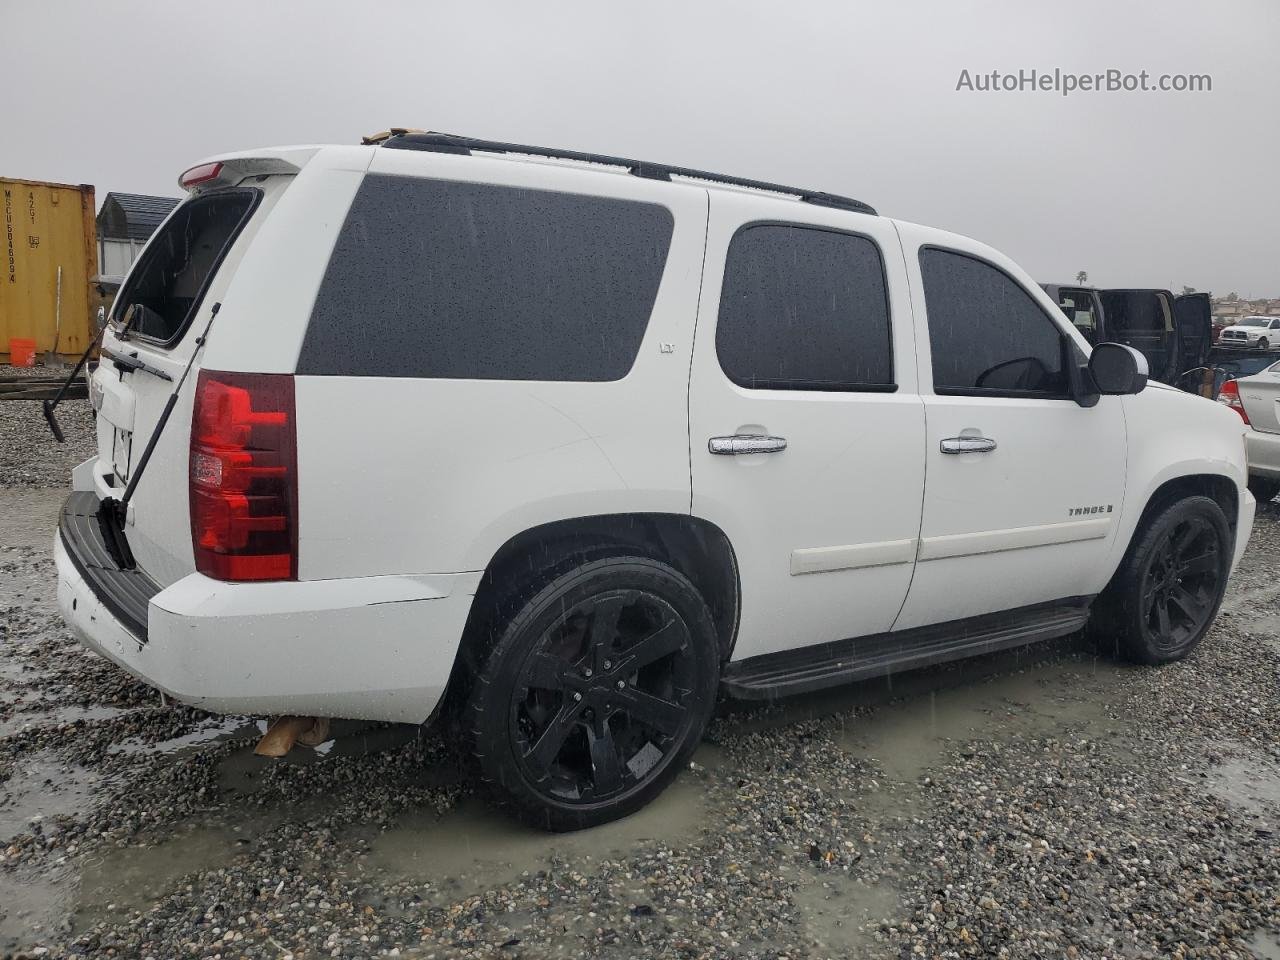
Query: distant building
1227 312
125 223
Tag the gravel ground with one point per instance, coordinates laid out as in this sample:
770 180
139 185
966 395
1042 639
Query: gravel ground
29 456
1045 803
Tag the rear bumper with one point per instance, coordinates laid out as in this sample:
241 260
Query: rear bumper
371 648
1263 453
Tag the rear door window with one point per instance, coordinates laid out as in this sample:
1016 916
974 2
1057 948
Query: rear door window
986 333
170 279
444 279
804 308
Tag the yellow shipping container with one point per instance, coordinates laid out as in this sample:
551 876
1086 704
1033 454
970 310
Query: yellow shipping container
47 226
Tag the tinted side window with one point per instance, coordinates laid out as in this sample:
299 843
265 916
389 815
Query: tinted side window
432 278
804 309
987 334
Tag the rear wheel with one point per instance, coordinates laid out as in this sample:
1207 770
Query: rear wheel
596 692
1170 585
1264 489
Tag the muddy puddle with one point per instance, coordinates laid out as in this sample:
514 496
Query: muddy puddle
1250 783
1266 946
906 739
840 915
474 847
42 787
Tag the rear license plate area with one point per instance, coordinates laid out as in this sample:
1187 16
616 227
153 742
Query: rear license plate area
121 448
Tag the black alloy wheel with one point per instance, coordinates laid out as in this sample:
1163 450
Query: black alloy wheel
1163 599
604 695
1182 583
596 693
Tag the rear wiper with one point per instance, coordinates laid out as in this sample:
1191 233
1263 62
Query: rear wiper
112 513
132 363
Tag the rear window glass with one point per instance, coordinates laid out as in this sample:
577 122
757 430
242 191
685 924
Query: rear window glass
170 278
804 309
1136 311
439 279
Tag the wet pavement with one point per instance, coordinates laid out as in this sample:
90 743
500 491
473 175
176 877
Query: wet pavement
883 819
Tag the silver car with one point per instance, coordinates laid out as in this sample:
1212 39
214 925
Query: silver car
1257 400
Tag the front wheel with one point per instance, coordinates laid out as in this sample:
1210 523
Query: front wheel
596 692
1167 592
1263 344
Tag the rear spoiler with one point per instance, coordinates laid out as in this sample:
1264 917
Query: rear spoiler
231 168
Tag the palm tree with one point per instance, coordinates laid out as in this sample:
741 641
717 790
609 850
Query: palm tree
1082 277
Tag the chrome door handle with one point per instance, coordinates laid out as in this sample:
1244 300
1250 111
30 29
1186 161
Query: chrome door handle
740 443
967 445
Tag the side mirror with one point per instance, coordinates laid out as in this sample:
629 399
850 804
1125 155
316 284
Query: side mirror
1118 370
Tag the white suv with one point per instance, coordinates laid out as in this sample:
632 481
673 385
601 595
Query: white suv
561 447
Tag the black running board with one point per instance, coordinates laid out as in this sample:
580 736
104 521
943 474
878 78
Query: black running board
789 672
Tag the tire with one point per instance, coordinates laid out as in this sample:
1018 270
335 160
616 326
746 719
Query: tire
1263 344
1264 489
1179 561
595 693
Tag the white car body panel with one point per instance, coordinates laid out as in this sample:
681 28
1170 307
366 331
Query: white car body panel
158 522
492 458
997 530
408 488
1209 440
805 511
273 648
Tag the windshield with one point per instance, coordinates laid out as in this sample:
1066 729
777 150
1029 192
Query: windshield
1254 322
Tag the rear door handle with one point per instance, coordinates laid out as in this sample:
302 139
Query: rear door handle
967 445
740 444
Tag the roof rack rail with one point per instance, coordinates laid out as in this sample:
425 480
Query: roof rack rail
405 139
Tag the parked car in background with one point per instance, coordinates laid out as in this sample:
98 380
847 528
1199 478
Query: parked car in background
1253 333
1173 333
1257 399
560 451
1228 364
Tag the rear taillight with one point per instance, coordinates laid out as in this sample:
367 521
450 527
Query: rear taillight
1230 395
244 476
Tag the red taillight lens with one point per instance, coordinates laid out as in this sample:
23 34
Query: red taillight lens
198 175
244 476
1230 395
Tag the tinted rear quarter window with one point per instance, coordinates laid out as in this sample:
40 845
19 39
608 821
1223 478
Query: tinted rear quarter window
442 279
804 308
986 333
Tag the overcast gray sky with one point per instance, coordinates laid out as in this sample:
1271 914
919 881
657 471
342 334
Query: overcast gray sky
1139 189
